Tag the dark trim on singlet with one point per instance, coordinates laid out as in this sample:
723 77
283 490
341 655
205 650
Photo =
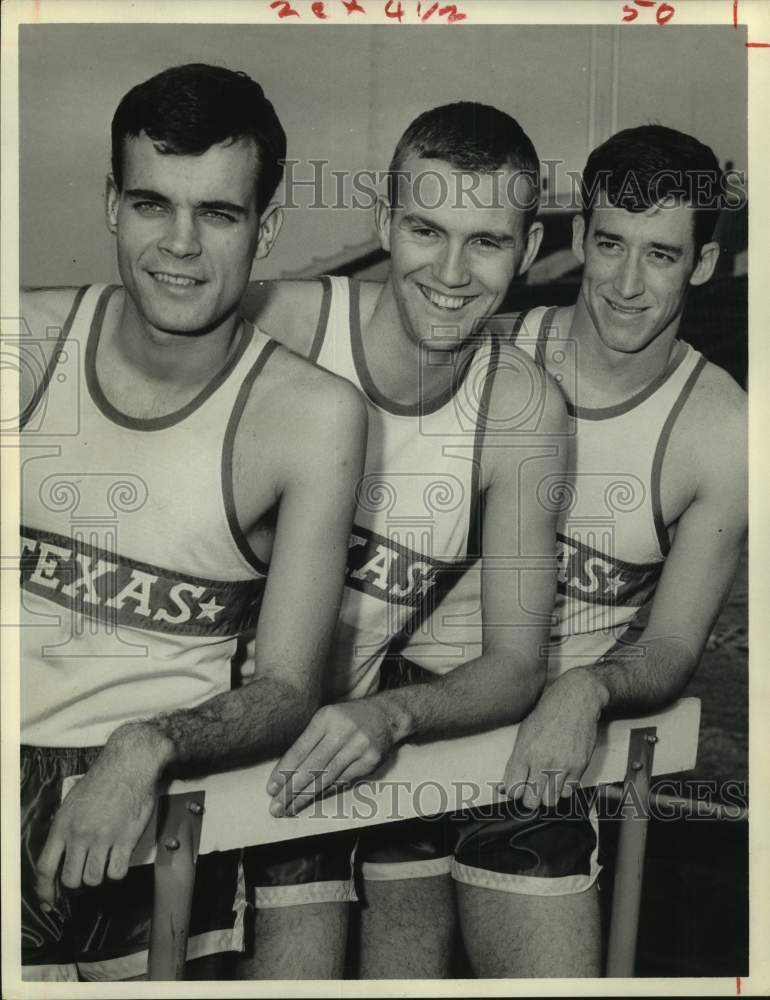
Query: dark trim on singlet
323 318
228 493
546 324
150 423
37 395
447 580
418 409
473 542
608 412
660 450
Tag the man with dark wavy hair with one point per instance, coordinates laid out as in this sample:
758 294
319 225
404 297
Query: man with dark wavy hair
243 459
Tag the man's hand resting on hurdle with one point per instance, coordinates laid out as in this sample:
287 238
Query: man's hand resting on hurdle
342 744
105 813
555 742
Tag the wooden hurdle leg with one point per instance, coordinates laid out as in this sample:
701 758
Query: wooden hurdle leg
629 865
180 818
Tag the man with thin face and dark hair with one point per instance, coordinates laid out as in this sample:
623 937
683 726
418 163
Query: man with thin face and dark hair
462 429
242 461
651 529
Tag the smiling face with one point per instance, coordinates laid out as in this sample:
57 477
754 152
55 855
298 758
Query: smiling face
638 267
187 232
451 260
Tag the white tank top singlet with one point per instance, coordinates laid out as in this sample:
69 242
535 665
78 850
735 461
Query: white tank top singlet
415 518
612 539
136 578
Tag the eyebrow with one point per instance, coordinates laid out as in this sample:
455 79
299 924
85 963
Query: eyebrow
501 237
671 248
216 205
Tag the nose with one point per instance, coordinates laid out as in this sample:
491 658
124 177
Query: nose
180 236
629 281
450 266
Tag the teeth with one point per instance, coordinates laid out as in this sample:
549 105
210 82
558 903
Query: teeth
444 301
173 279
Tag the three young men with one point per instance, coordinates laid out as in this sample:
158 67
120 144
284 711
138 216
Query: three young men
465 433
224 469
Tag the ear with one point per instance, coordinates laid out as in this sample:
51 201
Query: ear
578 237
707 262
534 239
269 227
382 219
111 203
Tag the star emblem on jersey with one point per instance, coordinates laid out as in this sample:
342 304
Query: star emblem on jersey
613 584
209 609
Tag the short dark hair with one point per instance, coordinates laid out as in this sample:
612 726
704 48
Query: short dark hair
471 137
187 109
639 167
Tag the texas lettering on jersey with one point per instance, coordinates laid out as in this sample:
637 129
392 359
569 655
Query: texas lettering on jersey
391 571
585 574
116 590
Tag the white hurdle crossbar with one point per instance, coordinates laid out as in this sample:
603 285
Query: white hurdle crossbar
236 810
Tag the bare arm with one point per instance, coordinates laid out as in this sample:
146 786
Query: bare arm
560 734
94 828
344 742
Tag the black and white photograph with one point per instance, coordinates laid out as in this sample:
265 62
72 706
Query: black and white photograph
376 483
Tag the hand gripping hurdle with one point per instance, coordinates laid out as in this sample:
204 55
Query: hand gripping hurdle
236 814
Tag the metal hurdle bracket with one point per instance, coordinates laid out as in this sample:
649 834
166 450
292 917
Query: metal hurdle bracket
180 820
629 864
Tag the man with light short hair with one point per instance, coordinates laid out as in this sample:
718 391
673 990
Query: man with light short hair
462 430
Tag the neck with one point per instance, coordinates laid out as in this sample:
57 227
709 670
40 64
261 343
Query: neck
184 359
402 370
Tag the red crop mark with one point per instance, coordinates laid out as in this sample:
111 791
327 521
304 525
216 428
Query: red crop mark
737 978
749 45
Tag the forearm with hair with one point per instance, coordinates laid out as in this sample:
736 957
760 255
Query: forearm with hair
238 727
641 677
495 689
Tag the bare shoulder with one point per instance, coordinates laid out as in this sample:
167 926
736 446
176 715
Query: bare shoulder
45 310
44 313
524 397
304 404
288 311
714 419
707 453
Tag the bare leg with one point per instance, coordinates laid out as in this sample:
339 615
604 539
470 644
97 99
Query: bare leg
407 928
511 935
298 942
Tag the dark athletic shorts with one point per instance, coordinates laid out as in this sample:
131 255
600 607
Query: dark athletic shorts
103 932
306 870
545 852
